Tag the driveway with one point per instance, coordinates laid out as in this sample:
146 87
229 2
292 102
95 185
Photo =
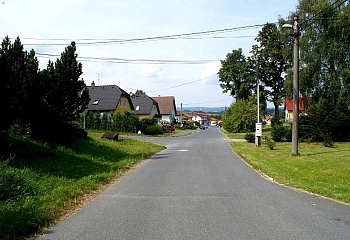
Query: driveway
199 189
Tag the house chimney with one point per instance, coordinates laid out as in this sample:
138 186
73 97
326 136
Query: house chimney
93 84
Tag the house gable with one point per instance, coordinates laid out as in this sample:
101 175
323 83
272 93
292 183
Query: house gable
145 106
167 108
109 98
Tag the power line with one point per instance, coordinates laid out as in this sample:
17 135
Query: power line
133 61
182 84
125 41
193 35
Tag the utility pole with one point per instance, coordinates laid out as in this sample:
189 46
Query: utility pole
181 116
295 136
295 125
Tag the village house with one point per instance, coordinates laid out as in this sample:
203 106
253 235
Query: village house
109 99
167 109
145 106
289 108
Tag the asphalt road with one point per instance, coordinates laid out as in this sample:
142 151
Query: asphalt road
199 189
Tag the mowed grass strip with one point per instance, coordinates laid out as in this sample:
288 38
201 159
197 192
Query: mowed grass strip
40 184
319 170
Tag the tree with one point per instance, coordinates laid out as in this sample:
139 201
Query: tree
325 66
140 92
324 49
66 95
236 75
19 78
271 64
241 116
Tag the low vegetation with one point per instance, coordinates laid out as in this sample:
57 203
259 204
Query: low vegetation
319 170
39 184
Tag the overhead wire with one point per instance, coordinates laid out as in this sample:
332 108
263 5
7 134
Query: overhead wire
132 61
180 85
93 42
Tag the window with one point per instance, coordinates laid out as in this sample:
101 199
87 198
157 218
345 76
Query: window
123 103
96 102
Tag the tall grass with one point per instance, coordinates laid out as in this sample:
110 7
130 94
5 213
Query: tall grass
40 184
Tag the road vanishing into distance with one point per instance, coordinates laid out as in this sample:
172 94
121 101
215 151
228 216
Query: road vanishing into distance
199 189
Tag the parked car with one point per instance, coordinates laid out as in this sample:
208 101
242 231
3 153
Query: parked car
168 128
202 127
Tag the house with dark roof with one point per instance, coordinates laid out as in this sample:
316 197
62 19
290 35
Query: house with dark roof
109 99
145 106
167 108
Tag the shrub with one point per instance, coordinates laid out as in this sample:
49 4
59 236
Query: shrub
153 130
327 140
281 133
146 122
250 137
271 144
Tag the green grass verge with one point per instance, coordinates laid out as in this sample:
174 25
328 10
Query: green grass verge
233 135
319 170
40 184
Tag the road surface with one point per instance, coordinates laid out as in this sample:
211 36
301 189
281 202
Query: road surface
199 189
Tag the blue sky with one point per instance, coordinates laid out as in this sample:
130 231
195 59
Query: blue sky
38 22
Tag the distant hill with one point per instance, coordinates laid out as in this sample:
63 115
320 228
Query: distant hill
204 109
270 111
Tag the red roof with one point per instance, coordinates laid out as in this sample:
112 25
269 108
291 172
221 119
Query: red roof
289 105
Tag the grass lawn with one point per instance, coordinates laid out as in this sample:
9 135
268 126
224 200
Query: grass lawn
320 170
233 135
40 184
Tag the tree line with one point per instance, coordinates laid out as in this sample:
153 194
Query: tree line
40 102
324 70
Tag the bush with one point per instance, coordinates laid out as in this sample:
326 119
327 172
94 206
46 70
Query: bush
250 137
271 144
153 130
281 133
327 140
146 122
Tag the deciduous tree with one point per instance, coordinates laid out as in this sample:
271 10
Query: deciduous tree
236 75
271 64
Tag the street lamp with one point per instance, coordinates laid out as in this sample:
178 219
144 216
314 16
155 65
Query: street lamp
296 35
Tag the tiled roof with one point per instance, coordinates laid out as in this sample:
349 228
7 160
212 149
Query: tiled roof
289 104
107 97
184 114
143 104
166 104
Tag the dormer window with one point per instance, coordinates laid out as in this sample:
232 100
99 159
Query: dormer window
96 102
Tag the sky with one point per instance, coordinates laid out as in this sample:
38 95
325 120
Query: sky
163 47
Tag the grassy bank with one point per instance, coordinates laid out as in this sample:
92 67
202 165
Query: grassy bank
40 184
320 170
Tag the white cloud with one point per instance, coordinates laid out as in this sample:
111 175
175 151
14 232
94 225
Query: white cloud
152 71
210 72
